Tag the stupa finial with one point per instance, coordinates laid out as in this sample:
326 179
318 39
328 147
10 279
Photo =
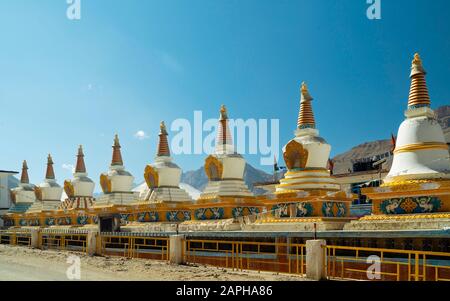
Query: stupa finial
163 144
117 155
24 179
418 93
305 116
80 167
50 174
162 128
223 113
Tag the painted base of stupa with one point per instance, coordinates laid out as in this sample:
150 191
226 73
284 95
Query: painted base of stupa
297 224
165 194
116 198
40 206
308 179
187 226
435 221
407 205
225 207
310 203
224 188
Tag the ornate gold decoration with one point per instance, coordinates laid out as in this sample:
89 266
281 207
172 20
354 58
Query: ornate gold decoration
420 146
213 168
105 183
417 60
295 155
68 188
38 193
408 205
405 184
151 177
304 88
405 217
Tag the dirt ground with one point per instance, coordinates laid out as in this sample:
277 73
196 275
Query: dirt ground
22 263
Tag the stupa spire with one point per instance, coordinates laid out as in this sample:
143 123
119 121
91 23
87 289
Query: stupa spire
224 135
80 167
305 116
163 144
117 155
418 93
50 174
24 179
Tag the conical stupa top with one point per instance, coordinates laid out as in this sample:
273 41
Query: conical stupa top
163 144
224 135
223 113
81 167
418 93
24 179
117 155
50 174
305 116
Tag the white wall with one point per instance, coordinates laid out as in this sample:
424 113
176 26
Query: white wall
4 191
5 202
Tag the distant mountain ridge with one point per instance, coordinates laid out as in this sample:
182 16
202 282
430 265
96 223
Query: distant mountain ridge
198 179
343 162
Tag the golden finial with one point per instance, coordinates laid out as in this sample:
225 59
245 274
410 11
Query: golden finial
418 93
304 87
49 159
417 60
116 140
24 164
162 128
305 93
305 116
417 66
223 112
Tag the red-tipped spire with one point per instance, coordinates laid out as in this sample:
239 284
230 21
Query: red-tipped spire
224 135
418 93
81 167
305 116
24 179
163 145
117 155
50 174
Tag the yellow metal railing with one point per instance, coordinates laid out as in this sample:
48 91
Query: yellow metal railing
15 238
64 241
399 265
135 246
279 256
260 256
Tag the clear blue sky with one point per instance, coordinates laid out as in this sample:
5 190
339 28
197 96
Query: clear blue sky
126 65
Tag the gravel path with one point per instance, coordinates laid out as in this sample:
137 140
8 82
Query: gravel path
21 263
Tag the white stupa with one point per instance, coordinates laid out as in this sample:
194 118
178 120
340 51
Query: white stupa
421 152
163 176
80 189
306 156
225 168
23 195
48 193
117 183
